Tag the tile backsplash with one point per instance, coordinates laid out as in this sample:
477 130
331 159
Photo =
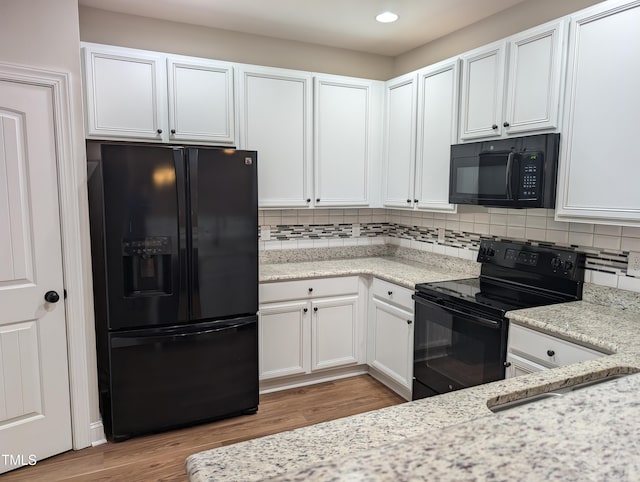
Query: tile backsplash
607 247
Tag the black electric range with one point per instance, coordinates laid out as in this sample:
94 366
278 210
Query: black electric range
460 333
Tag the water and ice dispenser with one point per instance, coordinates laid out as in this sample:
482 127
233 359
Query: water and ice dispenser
147 266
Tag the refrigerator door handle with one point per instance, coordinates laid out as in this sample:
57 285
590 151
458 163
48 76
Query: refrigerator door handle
179 164
192 170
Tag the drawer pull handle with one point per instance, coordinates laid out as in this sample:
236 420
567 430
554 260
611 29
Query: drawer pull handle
550 352
389 293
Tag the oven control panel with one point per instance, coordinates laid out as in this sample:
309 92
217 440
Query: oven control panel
534 259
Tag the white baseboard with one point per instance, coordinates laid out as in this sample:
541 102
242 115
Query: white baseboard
97 434
295 381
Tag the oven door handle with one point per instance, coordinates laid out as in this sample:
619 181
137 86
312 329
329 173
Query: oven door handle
472 317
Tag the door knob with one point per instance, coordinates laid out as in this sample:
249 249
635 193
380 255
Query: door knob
51 297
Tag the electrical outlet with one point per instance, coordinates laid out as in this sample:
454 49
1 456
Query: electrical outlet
633 268
441 235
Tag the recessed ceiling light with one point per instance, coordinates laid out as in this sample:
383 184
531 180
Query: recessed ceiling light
387 17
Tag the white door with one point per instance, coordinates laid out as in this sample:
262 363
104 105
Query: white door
482 92
275 120
126 94
533 91
35 420
342 140
334 331
391 343
284 338
437 130
400 141
201 105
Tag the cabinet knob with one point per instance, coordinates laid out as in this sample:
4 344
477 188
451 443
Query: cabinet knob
308 200
310 290
415 201
317 200
506 124
159 131
173 131
409 322
389 293
550 352
494 126
409 201
305 310
315 308
507 364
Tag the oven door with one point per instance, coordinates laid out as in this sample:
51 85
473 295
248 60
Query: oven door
455 348
484 178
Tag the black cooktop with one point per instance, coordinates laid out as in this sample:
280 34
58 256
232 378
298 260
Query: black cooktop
514 276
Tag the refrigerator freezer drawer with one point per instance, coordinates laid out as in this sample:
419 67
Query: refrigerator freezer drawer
167 378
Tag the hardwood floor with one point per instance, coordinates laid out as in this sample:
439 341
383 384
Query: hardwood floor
161 456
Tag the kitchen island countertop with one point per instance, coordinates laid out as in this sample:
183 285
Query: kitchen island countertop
428 432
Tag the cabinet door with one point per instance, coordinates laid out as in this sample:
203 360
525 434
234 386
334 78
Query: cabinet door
126 94
275 120
284 338
517 366
437 120
533 85
391 342
334 332
344 147
400 141
200 101
598 178
482 92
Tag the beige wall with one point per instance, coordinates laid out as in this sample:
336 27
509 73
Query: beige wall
513 20
45 34
111 28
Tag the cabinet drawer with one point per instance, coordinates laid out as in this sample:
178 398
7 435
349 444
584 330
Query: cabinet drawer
393 293
307 289
547 349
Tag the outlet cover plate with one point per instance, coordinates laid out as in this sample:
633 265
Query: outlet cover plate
633 268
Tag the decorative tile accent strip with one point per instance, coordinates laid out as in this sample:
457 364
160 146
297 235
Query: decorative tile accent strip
604 265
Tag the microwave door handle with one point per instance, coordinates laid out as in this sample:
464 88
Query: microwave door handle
508 174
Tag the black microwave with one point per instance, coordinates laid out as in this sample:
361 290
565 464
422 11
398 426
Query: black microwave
513 173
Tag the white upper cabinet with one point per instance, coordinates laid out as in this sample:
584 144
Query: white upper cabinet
347 115
128 92
421 124
200 100
400 140
599 172
513 86
437 130
275 118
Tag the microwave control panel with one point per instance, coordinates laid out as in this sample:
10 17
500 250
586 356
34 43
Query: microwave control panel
530 175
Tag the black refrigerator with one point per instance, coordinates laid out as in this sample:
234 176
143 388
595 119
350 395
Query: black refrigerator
175 271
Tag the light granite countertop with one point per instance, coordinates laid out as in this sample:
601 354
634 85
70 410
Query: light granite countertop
456 433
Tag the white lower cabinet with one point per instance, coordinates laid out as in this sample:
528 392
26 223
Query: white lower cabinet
390 336
306 336
530 351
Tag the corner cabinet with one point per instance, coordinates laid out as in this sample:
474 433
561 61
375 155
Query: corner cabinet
275 119
311 328
513 86
135 94
347 132
598 177
421 124
530 351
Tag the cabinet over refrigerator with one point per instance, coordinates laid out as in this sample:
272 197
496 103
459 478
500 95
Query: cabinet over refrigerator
175 269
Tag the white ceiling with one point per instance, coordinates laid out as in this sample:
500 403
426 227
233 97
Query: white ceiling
348 24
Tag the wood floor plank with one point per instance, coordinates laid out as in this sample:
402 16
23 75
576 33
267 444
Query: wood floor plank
160 457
